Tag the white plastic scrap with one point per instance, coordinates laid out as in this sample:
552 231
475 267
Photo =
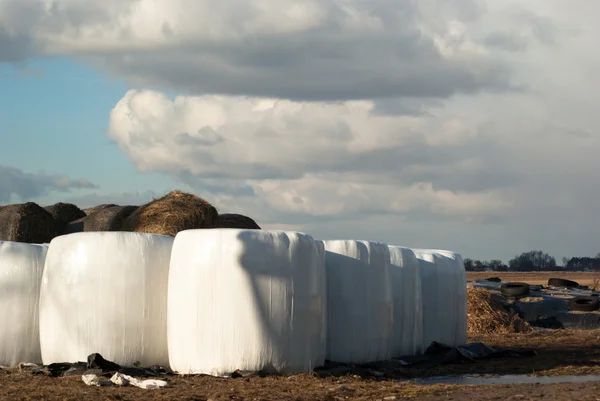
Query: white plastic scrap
120 379
94 380
123 380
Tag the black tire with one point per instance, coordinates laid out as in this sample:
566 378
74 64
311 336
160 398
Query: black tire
561 282
584 304
514 289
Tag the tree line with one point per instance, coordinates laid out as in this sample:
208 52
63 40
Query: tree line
535 261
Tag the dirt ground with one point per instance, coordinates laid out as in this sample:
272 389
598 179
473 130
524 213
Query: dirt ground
559 352
588 279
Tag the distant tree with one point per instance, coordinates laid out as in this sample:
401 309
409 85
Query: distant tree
565 261
583 263
478 265
497 265
468 264
532 260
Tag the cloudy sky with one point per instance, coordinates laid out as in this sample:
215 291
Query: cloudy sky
469 125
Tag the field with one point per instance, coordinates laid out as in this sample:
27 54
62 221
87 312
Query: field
588 279
560 352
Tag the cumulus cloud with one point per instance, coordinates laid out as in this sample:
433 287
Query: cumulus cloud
26 186
470 124
302 50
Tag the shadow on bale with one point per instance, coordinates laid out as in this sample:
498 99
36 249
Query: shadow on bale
107 219
232 220
94 209
174 212
27 222
63 214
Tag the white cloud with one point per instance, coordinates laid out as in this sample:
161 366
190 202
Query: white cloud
470 123
318 50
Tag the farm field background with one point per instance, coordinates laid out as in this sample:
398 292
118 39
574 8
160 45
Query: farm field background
583 278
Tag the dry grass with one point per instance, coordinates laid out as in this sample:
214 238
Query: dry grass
27 222
487 315
174 212
232 220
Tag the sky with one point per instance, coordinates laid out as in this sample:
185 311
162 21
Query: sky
468 125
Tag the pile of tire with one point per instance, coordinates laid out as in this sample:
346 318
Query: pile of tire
515 289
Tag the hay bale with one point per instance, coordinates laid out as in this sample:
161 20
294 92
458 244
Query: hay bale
94 209
174 212
486 314
106 219
63 214
232 220
27 222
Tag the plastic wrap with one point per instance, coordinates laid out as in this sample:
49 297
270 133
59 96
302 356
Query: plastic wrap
323 282
459 276
245 299
21 268
360 304
408 303
443 287
106 292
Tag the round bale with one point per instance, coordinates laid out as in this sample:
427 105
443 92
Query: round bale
63 214
233 220
106 219
27 222
94 209
177 211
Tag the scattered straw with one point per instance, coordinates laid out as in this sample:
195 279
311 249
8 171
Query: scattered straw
487 315
174 212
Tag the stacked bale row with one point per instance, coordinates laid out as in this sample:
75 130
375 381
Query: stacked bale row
214 301
168 215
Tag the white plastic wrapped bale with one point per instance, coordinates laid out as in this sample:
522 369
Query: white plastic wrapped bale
106 292
456 263
360 304
443 287
408 303
245 299
21 269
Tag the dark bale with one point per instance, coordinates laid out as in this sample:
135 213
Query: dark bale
106 219
94 209
232 220
177 211
63 214
27 222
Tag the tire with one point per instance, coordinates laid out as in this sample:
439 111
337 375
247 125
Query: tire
584 304
514 289
561 282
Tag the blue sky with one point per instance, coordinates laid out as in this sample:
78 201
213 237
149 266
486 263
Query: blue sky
55 116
